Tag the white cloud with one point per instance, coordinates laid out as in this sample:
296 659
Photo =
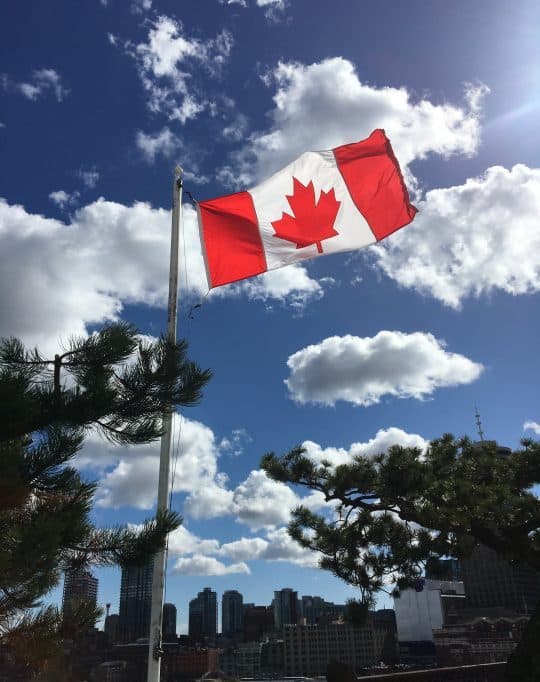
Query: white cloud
363 370
379 444
167 62
107 256
260 502
133 479
472 239
162 143
42 82
182 541
89 177
140 6
532 426
204 565
63 199
325 104
277 546
236 443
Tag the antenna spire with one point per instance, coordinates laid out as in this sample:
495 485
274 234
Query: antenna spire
479 424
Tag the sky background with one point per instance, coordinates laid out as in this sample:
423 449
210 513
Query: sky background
99 99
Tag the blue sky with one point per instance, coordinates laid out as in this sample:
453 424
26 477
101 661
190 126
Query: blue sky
98 102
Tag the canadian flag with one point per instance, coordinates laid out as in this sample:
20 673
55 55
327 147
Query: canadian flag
323 202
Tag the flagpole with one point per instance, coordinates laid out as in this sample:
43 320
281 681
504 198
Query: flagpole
158 578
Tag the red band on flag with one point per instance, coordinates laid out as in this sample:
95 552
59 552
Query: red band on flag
232 239
372 175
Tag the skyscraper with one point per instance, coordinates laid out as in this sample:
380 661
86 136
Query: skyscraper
232 613
135 602
169 623
203 614
285 605
195 619
79 584
491 581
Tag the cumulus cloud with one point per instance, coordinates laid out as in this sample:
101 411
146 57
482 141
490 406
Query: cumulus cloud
133 477
363 370
276 546
259 501
108 255
182 542
63 199
205 565
167 61
43 81
325 104
532 426
472 239
379 444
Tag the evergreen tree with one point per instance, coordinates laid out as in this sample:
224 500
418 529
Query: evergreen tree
111 382
394 512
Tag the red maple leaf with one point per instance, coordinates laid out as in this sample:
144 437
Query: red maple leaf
311 222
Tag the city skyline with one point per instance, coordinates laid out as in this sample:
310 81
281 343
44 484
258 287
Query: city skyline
345 355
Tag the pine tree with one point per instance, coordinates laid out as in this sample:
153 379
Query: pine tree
394 512
112 382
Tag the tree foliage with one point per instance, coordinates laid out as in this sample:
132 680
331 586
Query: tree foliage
112 382
391 514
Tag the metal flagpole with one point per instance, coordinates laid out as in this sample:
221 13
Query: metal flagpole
158 580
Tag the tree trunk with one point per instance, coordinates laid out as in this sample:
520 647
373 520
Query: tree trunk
524 664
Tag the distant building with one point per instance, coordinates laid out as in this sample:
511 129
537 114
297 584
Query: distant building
285 606
272 661
258 621
309 648
232 613
481 640
169 623
135 603
444 569
112 628
491 581
243 660
79 585
421 610
203 615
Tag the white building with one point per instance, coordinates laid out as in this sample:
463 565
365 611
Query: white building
421 610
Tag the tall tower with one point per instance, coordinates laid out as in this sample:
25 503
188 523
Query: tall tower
169 623
135 603
491 582
285 605
203 614
195 619
79 585
232 613
208 600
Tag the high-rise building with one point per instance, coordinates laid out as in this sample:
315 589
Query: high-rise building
422 609
203 614
444 569
232 613
258 621
195 619
169 623
111 628
79 585
491 581
285 606
135 603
